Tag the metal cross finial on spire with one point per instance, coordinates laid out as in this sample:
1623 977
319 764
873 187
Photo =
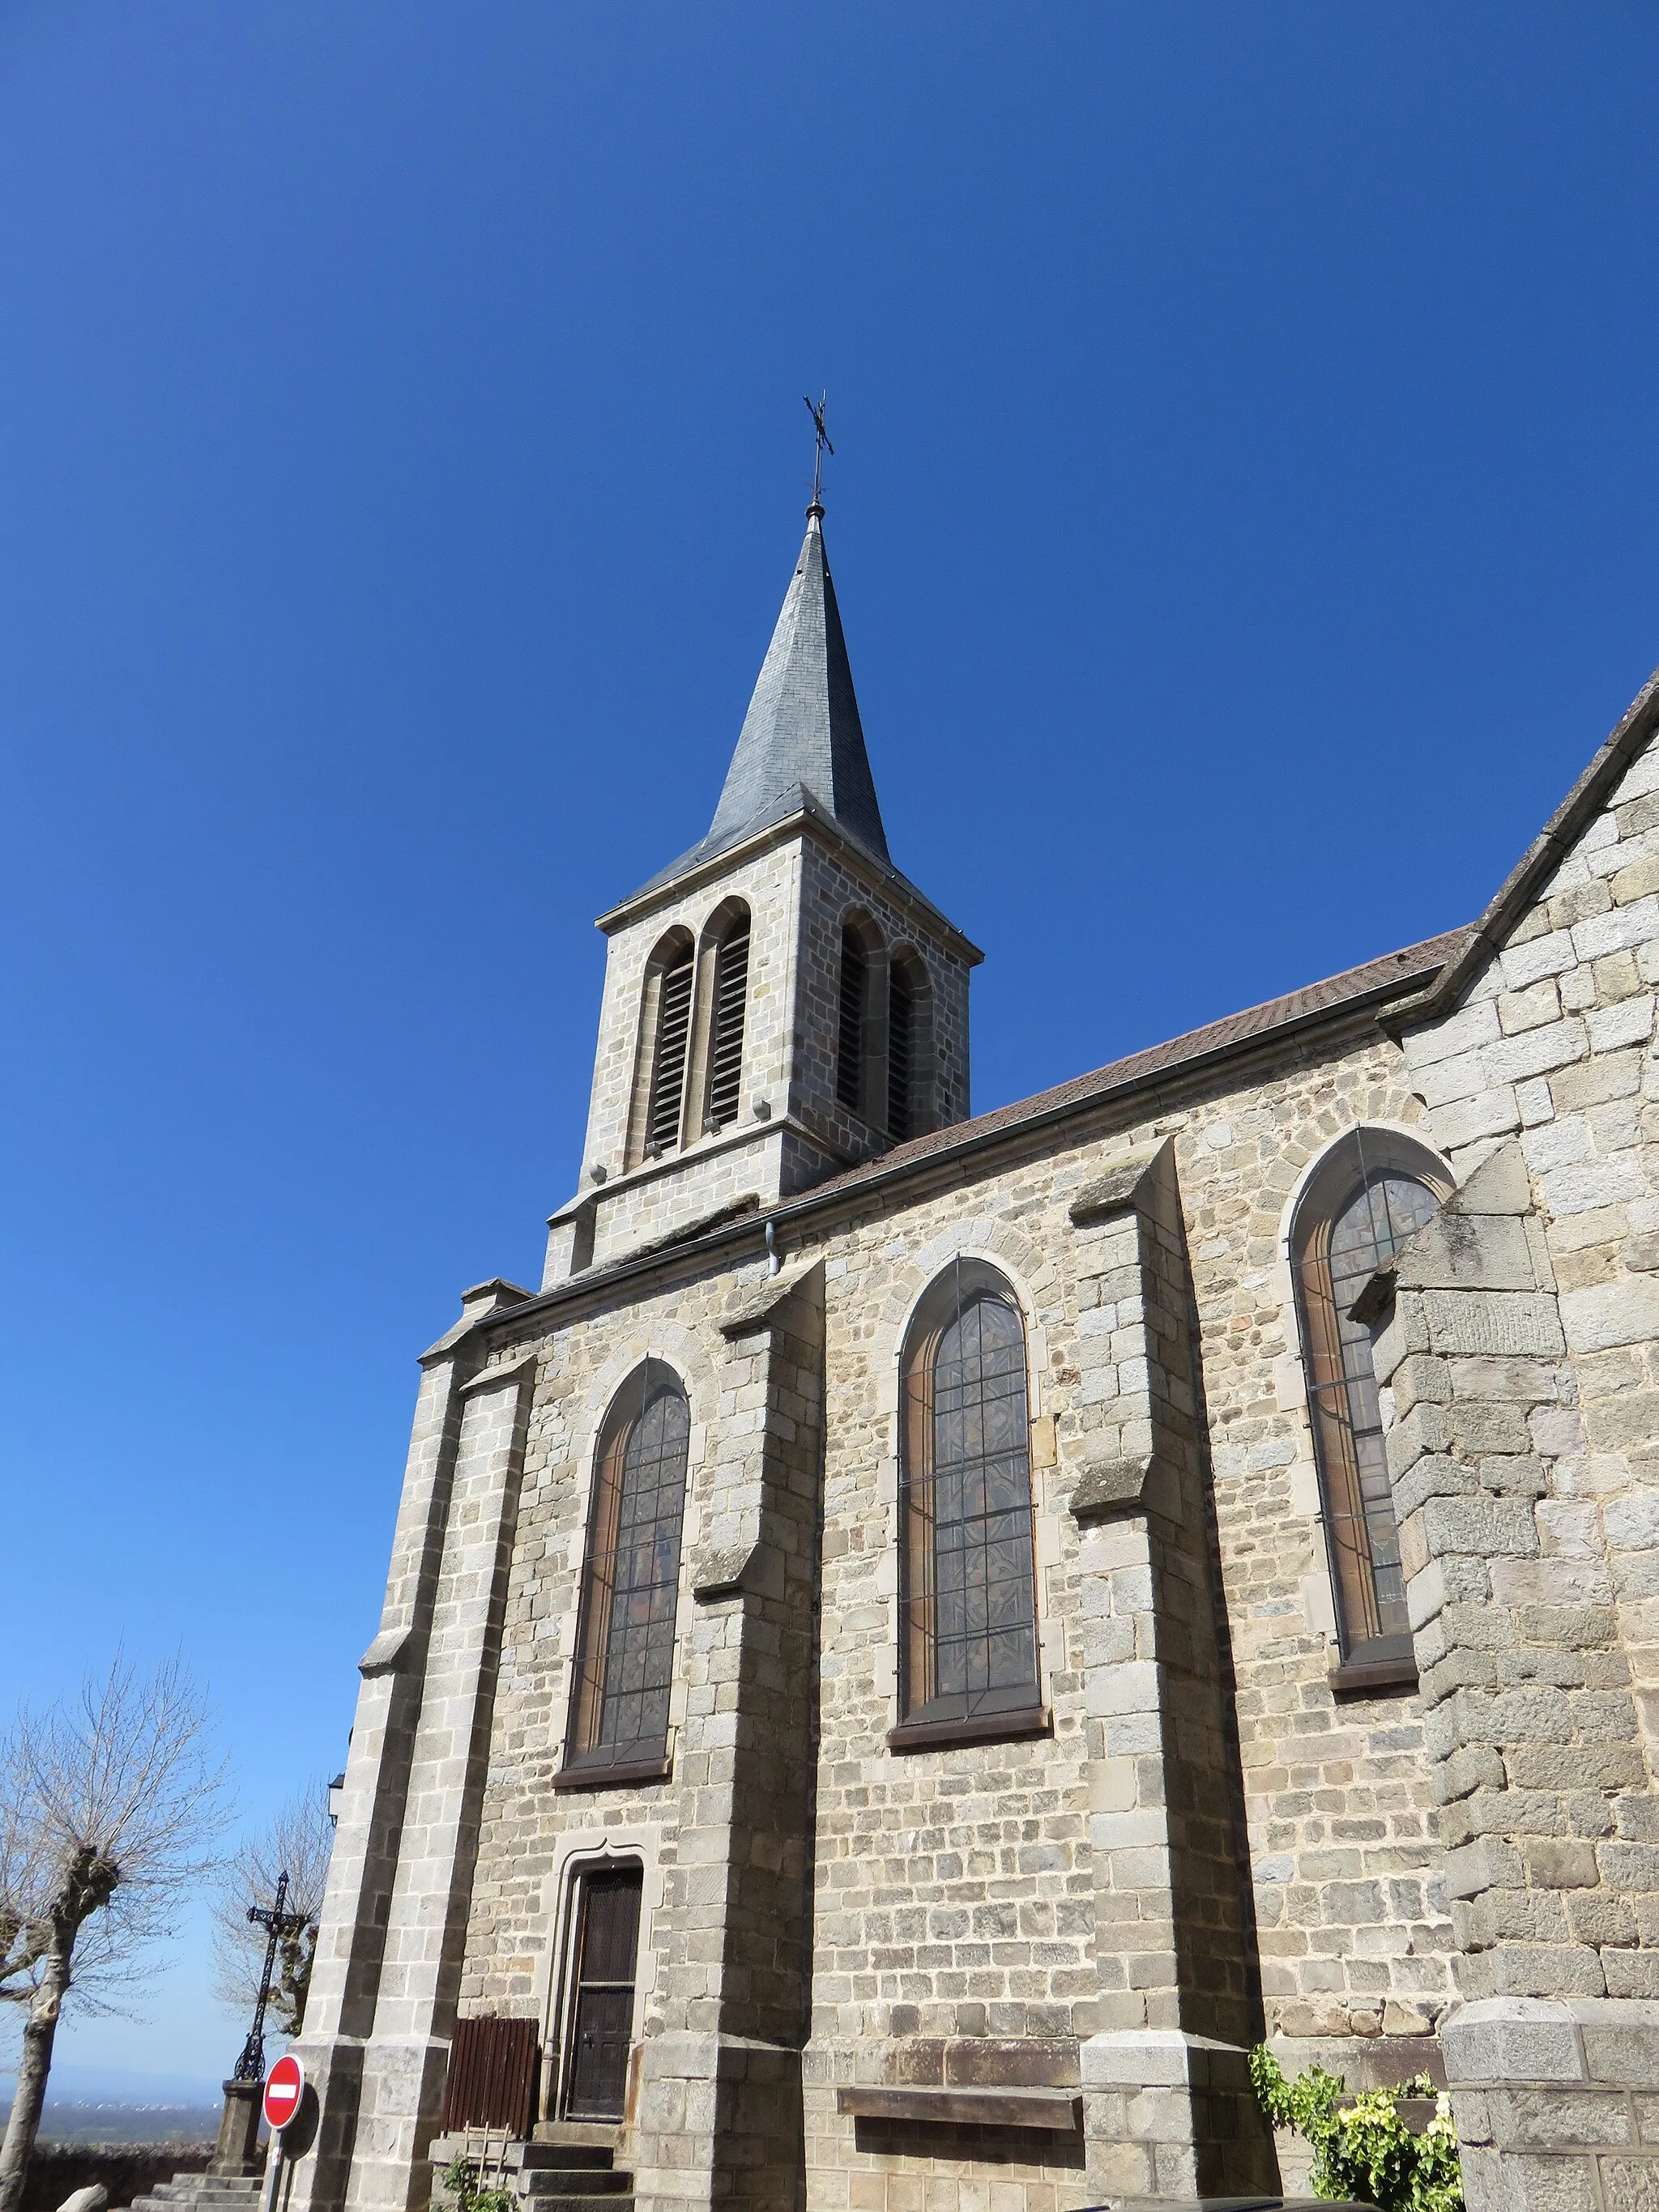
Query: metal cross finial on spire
824 445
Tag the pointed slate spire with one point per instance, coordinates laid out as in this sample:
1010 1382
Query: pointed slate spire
802 729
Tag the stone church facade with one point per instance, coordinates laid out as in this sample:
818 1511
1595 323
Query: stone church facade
925 1636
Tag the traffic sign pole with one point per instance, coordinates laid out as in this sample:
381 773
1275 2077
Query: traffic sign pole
285 2089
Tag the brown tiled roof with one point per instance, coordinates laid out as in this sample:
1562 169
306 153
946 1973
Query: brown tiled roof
1397 974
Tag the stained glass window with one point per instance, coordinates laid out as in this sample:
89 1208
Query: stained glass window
970 1596
1360 1214
625 1669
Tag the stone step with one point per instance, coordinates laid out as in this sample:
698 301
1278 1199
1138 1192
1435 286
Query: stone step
541 2183
586 2203
573 2134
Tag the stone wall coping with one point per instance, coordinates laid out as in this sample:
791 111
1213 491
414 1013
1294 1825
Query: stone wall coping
1116 1488
1158 2058
1540 860
753 1308
1119 1188
1518 2041
493 1378
383 1656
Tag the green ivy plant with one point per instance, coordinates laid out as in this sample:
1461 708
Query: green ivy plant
1365 2149
461 2184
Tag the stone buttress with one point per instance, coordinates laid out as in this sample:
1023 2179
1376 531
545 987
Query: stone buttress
384 1987
719 2111
1168 2109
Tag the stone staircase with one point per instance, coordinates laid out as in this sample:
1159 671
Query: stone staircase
569 2166
202 2192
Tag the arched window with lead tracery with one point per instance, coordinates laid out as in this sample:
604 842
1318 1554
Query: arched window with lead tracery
968 1640
631 1575
1371 1192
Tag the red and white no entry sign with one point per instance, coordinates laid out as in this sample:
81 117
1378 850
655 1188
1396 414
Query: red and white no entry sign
285 2085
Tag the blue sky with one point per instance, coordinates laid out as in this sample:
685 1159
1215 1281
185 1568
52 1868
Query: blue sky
1242 520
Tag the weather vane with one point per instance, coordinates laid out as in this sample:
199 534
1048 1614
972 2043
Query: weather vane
823 447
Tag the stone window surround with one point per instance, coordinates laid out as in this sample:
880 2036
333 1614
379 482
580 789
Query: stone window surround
675 1349
1290 1388
881 955
913 1733
553 1989
987 1241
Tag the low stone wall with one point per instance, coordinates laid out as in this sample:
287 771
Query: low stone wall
126 2170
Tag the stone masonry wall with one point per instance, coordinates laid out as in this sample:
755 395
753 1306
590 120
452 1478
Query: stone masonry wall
954 1892
955 1895
798 893
829 891
769 883
1554 1045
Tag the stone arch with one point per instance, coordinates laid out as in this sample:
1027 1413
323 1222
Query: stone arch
661 1048
720 1023
862 1016
1333 1163
911 1107
634 1453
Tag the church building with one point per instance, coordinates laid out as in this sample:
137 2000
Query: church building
927 1635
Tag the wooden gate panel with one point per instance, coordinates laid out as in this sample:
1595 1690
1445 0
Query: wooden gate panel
493 2065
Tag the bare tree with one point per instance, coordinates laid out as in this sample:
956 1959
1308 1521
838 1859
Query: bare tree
297 1842
107 1804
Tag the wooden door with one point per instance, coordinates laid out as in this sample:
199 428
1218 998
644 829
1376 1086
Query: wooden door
602 2025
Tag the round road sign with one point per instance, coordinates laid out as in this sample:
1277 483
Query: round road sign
285 2085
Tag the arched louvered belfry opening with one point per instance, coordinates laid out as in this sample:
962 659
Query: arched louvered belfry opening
861 1006
726 943
666 1022
1369 1194
909 1047
630 1580
968 1654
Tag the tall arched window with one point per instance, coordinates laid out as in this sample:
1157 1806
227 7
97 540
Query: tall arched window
968 1656
625 1640
1366 1197
731 998
855 1005
674 968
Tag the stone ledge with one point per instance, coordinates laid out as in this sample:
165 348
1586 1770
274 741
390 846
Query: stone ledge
392 1647
1059 2111
601 1777
1116 1487
1118 1190
972 1728
752 1309
719 1575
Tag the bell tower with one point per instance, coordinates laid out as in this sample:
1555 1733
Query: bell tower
780 1002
